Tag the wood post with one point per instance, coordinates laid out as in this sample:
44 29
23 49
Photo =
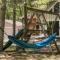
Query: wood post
25 14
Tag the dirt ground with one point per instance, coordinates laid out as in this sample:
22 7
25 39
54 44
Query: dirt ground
27 56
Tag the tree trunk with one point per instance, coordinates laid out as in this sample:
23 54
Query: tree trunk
14 17
2 22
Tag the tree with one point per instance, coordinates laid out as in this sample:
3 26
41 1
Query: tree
14 16
2 22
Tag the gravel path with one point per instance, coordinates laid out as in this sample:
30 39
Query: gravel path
26 56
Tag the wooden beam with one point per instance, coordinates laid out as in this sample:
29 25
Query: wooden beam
41 11
25 14
51 5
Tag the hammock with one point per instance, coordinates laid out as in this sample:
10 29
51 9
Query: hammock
39 44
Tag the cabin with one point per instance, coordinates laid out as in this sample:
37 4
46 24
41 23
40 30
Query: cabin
52 19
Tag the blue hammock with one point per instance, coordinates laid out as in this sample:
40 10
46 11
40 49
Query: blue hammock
39 44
